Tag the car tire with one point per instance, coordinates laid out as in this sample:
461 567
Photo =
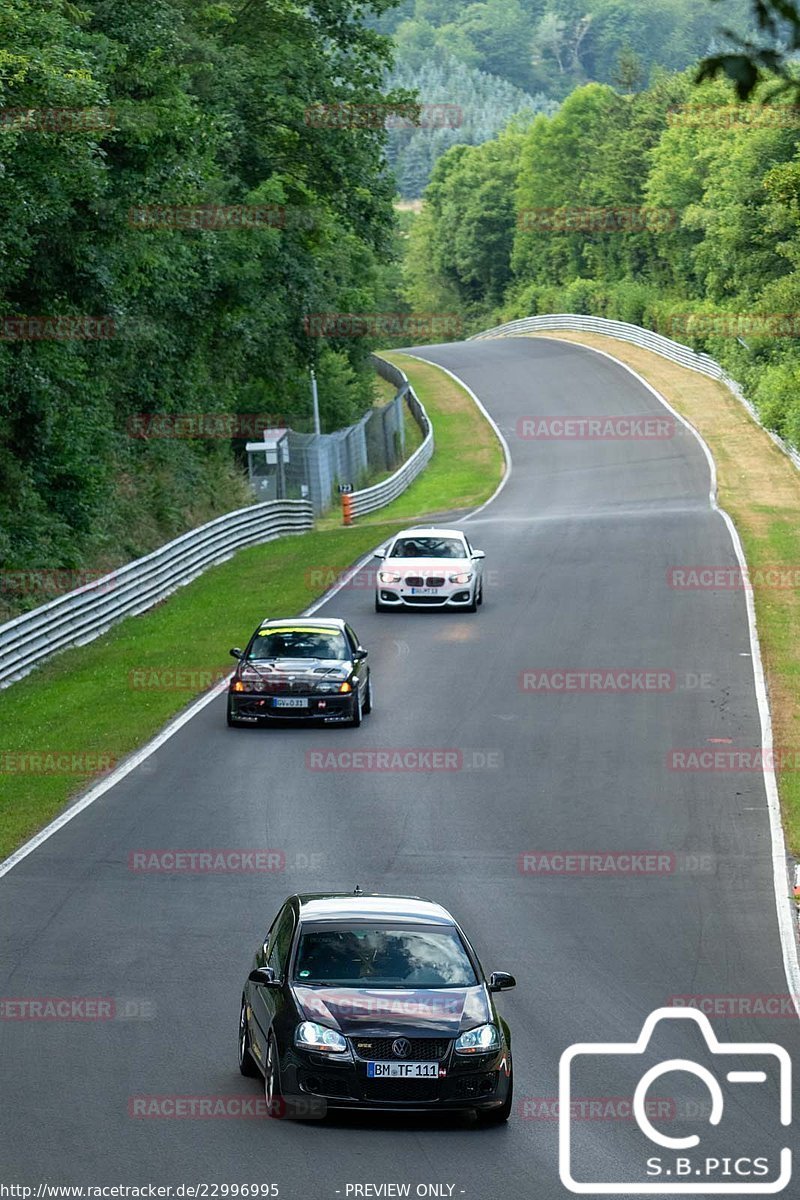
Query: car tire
247 1064
272 1080
232 722
480 594
499 1116
368 698
355 721
380 607
473 605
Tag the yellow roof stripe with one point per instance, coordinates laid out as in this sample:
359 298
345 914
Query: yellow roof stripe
298 629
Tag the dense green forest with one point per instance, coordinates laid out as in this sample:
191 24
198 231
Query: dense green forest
118 105
675 207
501 57
178 195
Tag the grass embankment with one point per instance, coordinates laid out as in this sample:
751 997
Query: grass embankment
384 391
760 488
109 697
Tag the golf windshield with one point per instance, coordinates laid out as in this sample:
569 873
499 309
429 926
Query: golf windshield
364 956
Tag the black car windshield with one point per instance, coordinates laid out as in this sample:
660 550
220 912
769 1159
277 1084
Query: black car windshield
299 643
428 547
383 957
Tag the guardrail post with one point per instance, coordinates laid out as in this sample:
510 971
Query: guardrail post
79 616
347 509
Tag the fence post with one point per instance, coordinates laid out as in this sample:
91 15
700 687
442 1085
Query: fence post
347 509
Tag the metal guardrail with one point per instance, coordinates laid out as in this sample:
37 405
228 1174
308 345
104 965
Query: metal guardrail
675 351
82 615
358 504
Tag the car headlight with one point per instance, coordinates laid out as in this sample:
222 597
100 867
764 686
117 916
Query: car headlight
462 577
478 1041
311 1036
389 576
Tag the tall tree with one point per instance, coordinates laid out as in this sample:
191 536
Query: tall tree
223 104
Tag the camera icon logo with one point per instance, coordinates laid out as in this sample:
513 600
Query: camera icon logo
682 1165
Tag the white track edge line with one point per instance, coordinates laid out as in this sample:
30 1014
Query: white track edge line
501 439
144 752
138 756
112 779
779 858
780 861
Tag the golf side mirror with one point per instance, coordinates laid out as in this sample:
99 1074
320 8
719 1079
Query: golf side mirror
264 977
501 981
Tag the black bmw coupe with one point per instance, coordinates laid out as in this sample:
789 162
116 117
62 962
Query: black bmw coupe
300 668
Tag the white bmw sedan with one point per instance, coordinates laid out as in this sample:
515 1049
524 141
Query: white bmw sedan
430 568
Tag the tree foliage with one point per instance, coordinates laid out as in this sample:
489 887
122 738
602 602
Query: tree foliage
768 54
200 104
553 46
532 53
646 207
462 106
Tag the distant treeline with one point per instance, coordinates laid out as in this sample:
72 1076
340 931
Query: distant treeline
459 104
553 46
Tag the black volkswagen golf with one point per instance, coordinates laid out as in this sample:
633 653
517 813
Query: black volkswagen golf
378 1002
303 668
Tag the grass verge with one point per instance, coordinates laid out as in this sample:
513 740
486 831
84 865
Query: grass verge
413 440
384 391
109 697
467 462
760 488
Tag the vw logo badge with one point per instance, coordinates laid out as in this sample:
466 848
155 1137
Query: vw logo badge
401 1047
